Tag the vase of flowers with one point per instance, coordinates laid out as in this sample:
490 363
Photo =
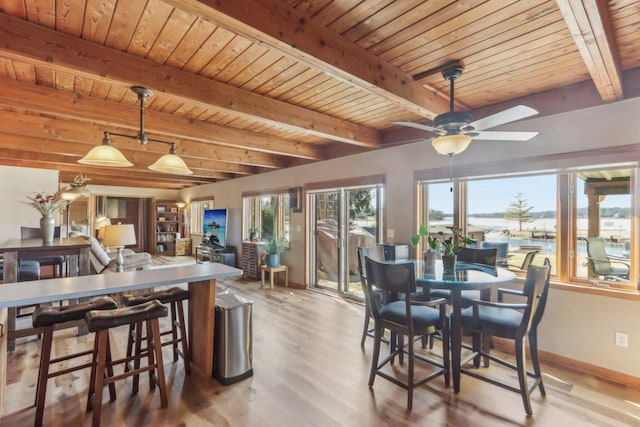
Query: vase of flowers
47 205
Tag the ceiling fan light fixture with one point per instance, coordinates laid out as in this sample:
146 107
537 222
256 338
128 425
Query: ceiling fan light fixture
105 155
171 164
450 145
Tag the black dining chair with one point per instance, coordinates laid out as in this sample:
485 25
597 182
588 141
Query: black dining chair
403 317
514 321
376 253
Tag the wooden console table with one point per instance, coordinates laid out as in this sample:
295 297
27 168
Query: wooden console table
201 279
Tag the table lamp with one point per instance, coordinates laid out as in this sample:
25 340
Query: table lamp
101 222
119 236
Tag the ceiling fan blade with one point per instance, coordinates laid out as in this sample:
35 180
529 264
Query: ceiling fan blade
421 127
505 135
506 116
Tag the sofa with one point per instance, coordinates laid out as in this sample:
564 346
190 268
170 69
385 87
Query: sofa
104 262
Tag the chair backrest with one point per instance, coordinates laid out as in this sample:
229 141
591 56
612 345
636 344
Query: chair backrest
391 278
35 232
503 248
374 252
478 256
536 288
528 259
598 255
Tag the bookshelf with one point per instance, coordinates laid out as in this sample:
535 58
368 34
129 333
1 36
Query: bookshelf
167 227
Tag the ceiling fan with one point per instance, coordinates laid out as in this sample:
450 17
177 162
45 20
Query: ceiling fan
454 130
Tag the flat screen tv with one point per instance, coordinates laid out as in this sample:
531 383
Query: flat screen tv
214 227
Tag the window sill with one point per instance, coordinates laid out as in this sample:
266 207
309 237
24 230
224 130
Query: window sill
629 294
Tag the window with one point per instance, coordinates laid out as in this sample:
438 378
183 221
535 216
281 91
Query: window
267 213
579 218
520 212
196 212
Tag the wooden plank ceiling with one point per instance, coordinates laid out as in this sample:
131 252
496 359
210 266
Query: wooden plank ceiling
248 86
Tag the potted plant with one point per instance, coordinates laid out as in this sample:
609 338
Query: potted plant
451 247
274 248
253 234
431 247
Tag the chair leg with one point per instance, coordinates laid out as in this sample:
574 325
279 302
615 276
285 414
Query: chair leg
365 328
410 378
186 351
174 331
533 349
102 338
476 339
154 331
136 363
92 375
376 354
43 374
521 367
130 341
446 354
151 353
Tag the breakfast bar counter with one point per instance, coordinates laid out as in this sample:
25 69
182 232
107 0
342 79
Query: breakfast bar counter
201 279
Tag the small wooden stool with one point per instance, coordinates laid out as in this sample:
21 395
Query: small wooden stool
272 270
100 322
175 297
48 318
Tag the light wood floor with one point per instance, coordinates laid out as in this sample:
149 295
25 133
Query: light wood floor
311 371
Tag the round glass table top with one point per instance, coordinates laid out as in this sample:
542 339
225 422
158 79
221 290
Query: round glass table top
466 275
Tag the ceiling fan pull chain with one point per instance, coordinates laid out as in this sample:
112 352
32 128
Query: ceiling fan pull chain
451 172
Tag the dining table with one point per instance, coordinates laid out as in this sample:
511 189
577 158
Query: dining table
466 276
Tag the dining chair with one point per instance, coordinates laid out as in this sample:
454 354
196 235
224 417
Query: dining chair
514 321
376 253
404 317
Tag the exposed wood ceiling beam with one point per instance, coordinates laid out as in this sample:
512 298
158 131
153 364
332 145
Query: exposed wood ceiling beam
589 22
39 45
70 105
291 33
73 143
128 181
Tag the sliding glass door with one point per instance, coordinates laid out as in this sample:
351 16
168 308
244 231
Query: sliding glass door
343 219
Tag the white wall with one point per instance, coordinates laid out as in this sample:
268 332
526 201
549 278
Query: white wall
16 184
576 325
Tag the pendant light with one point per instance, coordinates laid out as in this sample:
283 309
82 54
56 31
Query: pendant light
108 155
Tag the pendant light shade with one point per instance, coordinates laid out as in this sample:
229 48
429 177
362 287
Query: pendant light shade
172 164
451 144
105 155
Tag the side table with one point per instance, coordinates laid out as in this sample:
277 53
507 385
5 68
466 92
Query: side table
272 270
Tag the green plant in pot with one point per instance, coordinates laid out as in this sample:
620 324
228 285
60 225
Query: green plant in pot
431 248
253 234
451 247
274 248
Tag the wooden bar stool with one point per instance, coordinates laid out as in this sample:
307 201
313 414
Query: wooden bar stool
175 297
100 321
48 318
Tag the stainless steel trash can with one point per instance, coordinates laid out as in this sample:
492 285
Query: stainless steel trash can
233 342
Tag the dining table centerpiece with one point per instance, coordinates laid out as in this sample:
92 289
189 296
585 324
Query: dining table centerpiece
430 253
47 205
451 246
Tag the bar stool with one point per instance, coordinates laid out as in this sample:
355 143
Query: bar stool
175 297
100 321
48 318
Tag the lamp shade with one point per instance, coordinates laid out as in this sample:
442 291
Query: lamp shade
451 144
119 235
105 155
171 163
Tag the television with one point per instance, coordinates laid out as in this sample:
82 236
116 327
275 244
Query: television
214 227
